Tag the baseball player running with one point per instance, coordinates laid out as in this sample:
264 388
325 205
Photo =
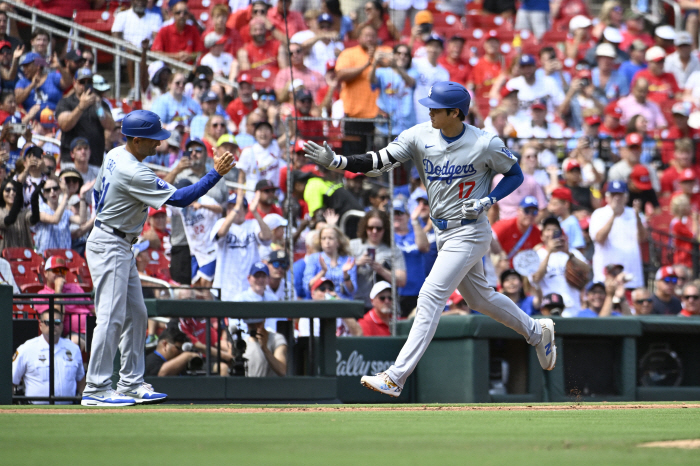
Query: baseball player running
457 163
124 190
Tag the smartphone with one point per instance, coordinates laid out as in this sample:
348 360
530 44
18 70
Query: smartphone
425 28
372 253
187 153
556 234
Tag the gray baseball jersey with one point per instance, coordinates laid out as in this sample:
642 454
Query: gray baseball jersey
453 172
124 190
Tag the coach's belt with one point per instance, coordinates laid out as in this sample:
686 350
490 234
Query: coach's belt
443 224
129 238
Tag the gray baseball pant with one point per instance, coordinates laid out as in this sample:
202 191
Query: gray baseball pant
122 318
458 266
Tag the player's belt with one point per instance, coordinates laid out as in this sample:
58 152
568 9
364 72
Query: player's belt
444 224
129 238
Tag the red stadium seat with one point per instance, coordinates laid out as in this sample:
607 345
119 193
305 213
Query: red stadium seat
554 37
447 24
27 279
20 254
24 311
487 22
100 20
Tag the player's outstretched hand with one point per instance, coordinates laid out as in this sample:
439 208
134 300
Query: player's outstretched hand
322 155
472 208
224 163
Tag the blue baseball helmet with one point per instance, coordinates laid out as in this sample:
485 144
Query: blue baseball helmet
144 124
447 94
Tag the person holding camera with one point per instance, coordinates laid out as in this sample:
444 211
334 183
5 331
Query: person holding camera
171 356
550 277
266 351
84 114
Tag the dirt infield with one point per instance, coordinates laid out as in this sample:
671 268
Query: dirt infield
349 408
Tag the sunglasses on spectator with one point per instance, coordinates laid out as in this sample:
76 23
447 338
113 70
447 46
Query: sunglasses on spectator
48 189
373 228
56 322
383 198
179 83
306 101
691 296
673 280
295 51
402 53
531 211
268 97
218 125
324 26
325 288
259 11
85 82
198 149
89 60
643 301
10 190
180 12
385 298
280 264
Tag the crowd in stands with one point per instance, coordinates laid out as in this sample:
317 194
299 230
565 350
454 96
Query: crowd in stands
600 110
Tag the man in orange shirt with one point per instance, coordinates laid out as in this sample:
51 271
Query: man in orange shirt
353 68
486 69
452 60
662 86
179 40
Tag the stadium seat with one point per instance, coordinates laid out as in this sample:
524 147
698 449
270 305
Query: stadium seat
100 20
447 24
32 260
26 278
487 22
23 311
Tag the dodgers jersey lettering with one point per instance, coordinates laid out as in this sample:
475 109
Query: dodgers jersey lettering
453 172
125 189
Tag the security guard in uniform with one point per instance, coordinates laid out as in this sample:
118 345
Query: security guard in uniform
31 363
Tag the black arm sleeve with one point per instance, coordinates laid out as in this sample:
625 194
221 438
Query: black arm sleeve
364 163
34 219
16 206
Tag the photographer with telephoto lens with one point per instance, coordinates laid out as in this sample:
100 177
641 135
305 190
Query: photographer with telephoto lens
174 355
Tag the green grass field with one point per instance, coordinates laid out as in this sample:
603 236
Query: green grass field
77 436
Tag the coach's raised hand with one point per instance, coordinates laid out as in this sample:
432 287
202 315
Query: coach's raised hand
224 163
321 155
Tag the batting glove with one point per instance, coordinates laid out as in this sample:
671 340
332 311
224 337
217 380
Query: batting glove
472 208
322 155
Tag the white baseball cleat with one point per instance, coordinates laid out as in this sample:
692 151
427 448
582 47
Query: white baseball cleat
145 395
381 383
107 399
546 350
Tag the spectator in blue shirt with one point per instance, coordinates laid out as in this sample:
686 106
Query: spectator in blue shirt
560 206
50 84
513 287
174 104
533 15
609 83
335 262
413 242
636 62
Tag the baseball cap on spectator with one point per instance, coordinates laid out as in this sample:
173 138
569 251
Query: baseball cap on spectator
665 272
605 50
553 302
325 18
160 210
563 194
155 69
192 141
414 173
638 44
640 177
299 145
570 164
592 285
259 267
529 201
584 74
210 96
47 118
579 22
279 255
55 262
457 38
227 139
612 35
399 206
617 187
633 139
175 140
378 288
264 185
32 57
527 60
330 65
74 55
72 173
320 282
183 183
301 176
351 176
4 44
275 220
245 78
655 53
423 17
538 104
233 198
435 38
682 108
592 120
263 123
687 174
304 94
267 93
172 3
665 32
585 223
455 298
99 83
507 273
613 110
83 73
552 220
683 38
79 141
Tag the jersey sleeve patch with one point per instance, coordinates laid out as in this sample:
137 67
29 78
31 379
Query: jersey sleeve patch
508 153
160 184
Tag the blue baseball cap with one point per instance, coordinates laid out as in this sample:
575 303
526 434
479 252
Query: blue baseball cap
324 18
233 198
144 124
77 142
83 73
399 206
259 267
617 187
527 60
33 57
191 141
529 201
414 173
13 120
590 286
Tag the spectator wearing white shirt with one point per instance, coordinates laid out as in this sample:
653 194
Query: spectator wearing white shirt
262 160
30 363
278 263
221 63
531 87
538 127
617 231
320 44
258 291
136 25
682 63
429 72
6 276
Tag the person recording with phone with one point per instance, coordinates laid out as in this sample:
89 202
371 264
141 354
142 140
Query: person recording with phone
82 114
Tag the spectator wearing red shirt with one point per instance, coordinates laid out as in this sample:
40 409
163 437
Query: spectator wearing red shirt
680 130
273 30
682 160
219 15
579 40
155 229
452 61
684 228
294 21
376 322
65 8
267 203
487 69
311 130
508 233
242 105
313 80
687 184
635 31
662 85
196 330
375 15
261 54
179 40
611 126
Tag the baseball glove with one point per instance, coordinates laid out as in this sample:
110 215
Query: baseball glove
577 273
